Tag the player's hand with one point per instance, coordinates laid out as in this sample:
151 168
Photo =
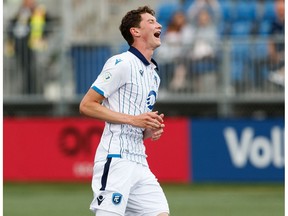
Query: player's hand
156 134
149 120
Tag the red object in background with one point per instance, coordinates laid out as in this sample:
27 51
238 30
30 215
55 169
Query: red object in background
49 149
169 157
63 149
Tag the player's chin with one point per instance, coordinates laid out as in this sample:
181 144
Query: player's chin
158 43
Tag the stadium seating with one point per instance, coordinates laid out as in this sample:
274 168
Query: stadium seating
241 29
269 11
239 59
245 11
245 19
264 28
165 11
227 10
86 67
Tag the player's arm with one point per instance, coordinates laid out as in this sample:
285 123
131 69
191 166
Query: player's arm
91 106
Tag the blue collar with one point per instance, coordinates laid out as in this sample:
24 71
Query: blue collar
137 53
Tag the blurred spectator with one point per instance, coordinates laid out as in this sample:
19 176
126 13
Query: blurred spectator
203 60
212 6
204 37
274 61
170 54
26 34
188 53
277 45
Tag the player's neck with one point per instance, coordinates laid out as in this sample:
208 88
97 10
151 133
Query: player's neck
146 52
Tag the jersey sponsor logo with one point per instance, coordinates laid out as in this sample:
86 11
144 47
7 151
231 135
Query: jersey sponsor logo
100 199
117 61
116 198
151 99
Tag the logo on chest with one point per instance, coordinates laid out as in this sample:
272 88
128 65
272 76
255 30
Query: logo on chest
151 99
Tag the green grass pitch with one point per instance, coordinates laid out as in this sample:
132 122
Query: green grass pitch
73 199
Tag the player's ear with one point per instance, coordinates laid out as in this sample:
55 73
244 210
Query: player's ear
135 32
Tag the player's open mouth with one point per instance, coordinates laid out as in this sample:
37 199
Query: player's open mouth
157 34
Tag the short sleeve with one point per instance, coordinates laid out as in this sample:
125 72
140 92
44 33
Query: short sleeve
112 77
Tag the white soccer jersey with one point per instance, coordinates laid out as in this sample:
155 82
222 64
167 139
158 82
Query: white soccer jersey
130 85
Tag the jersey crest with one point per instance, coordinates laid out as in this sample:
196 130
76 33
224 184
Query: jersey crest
116 198
151 99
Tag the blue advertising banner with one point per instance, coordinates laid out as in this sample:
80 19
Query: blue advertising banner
237 150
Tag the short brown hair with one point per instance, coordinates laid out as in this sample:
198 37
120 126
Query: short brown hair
133 19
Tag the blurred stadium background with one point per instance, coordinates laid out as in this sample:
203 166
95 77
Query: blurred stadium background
238 169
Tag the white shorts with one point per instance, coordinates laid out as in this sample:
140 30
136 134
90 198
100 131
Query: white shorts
126 188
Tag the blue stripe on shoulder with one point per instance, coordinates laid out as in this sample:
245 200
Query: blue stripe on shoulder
98 90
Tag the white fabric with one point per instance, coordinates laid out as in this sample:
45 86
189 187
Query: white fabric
139 192
130 87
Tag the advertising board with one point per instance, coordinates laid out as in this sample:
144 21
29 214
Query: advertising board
190 150
63 149
237 150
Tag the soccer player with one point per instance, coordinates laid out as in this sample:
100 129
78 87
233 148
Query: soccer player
123 96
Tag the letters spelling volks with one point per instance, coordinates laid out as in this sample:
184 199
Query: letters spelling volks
259 150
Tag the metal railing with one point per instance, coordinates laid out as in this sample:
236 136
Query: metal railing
61 75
